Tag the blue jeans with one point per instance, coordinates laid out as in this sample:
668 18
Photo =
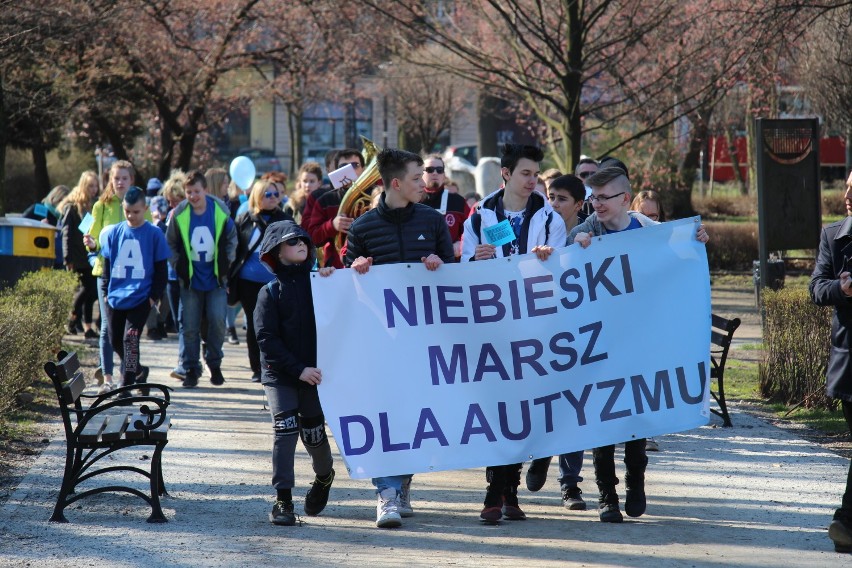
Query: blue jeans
104 346
231 314
570 466
394 481
173 293
193 304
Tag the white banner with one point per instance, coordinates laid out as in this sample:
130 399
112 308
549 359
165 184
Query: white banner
501 361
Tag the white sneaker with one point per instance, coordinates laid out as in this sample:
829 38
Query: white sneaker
387 509
405 509
106 387
651 445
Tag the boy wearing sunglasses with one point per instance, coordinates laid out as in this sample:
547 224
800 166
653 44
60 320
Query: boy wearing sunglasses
452 206
203 241
287 337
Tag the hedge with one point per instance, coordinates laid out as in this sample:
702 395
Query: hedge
732 246
796 342
33 315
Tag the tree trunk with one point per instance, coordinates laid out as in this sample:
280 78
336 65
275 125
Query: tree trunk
573 86
40 175
3 149
848 151
167 151
730 136
486 127
112 134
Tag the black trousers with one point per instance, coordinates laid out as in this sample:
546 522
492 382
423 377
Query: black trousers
845 510
85 296
635 461
247 292
125 327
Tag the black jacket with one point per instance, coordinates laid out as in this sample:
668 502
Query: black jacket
284 315
835 246
246 224
73 249
399 235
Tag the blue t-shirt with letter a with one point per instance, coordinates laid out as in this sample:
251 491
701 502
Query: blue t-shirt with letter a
132 254
202 242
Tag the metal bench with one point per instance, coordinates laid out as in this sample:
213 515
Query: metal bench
112 422
721 332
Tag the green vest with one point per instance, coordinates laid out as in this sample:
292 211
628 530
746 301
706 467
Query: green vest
220 221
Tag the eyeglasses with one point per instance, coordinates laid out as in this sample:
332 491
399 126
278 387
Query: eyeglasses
355 165
269 194
292 242
584 175
599 198
435 170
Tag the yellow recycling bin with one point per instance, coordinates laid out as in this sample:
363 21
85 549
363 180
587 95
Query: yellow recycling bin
25 245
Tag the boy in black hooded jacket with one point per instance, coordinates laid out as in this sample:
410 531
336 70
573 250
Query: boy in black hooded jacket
286 334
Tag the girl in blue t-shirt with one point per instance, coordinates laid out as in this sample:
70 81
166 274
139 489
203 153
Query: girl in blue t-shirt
134 277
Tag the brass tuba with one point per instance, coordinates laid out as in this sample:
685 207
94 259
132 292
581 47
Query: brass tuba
357 199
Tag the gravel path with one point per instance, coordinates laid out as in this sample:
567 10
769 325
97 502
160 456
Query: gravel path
751 495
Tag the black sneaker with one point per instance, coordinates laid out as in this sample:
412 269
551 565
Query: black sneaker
282 514
255 377
71 327
155 334
91 334
143 378
634 500
317 497
232 336
511 509
572 499
537 473
216 377
191 379
841 533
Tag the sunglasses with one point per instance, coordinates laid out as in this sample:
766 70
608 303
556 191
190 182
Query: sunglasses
292 242
269 194
435 170
584 175
355 165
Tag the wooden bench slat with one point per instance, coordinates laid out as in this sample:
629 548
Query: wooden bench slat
115 427
162 431
72 389
717 338
92 431
68 366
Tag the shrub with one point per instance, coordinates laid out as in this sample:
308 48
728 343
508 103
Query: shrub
732 246
833 203
32 320
725 206
796 340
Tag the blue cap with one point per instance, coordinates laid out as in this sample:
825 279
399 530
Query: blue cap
154 186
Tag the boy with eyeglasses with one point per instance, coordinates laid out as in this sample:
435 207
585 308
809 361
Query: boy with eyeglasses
323 220
452 206
203 241
611 198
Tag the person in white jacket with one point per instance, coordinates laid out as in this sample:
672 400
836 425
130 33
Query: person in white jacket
537 228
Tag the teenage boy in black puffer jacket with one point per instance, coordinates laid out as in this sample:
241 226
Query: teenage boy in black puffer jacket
399 229
287 337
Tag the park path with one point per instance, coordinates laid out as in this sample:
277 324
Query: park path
752 495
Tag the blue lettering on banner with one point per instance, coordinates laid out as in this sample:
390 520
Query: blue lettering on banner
486 301
358 431
525 354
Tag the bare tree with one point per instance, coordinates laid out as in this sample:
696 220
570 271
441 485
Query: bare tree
826 69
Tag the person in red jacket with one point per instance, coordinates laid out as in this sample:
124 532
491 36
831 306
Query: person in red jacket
322 221
452 206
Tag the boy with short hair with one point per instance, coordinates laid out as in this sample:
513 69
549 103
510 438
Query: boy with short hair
203 241
537 228
566 195
398 229
287 338
134 277
611 198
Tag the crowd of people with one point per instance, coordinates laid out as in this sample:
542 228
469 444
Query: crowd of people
183 255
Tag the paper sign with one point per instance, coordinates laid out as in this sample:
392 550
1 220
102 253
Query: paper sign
342 176
499 234
40 210
86 223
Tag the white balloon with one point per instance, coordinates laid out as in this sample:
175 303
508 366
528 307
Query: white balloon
242 172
